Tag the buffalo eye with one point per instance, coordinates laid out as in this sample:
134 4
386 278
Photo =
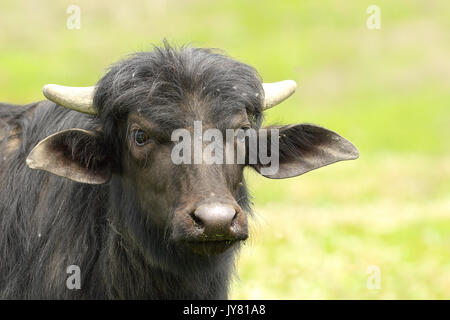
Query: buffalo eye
241 133
140 137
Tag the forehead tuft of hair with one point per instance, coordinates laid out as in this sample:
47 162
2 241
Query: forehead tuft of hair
168 83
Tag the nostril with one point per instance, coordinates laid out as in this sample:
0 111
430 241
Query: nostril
197 221
235 218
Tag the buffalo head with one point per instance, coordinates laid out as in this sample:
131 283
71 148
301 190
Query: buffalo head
133 114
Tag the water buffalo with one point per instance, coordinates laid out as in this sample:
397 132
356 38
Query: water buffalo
89 187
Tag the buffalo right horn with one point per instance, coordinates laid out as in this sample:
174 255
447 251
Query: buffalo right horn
80 99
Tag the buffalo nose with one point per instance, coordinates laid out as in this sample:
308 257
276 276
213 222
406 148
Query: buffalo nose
216 219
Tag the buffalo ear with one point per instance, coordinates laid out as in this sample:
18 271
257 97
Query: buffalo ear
305 147
76 154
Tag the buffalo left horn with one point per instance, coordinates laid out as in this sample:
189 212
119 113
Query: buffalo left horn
277 92
80 99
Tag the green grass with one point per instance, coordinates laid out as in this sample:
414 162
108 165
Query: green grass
386 91
315 236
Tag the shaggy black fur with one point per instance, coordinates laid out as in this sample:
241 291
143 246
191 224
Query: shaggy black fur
48 223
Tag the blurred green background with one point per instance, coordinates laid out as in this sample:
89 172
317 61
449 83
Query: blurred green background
386 90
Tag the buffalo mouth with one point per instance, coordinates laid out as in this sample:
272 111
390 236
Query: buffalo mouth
210 247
